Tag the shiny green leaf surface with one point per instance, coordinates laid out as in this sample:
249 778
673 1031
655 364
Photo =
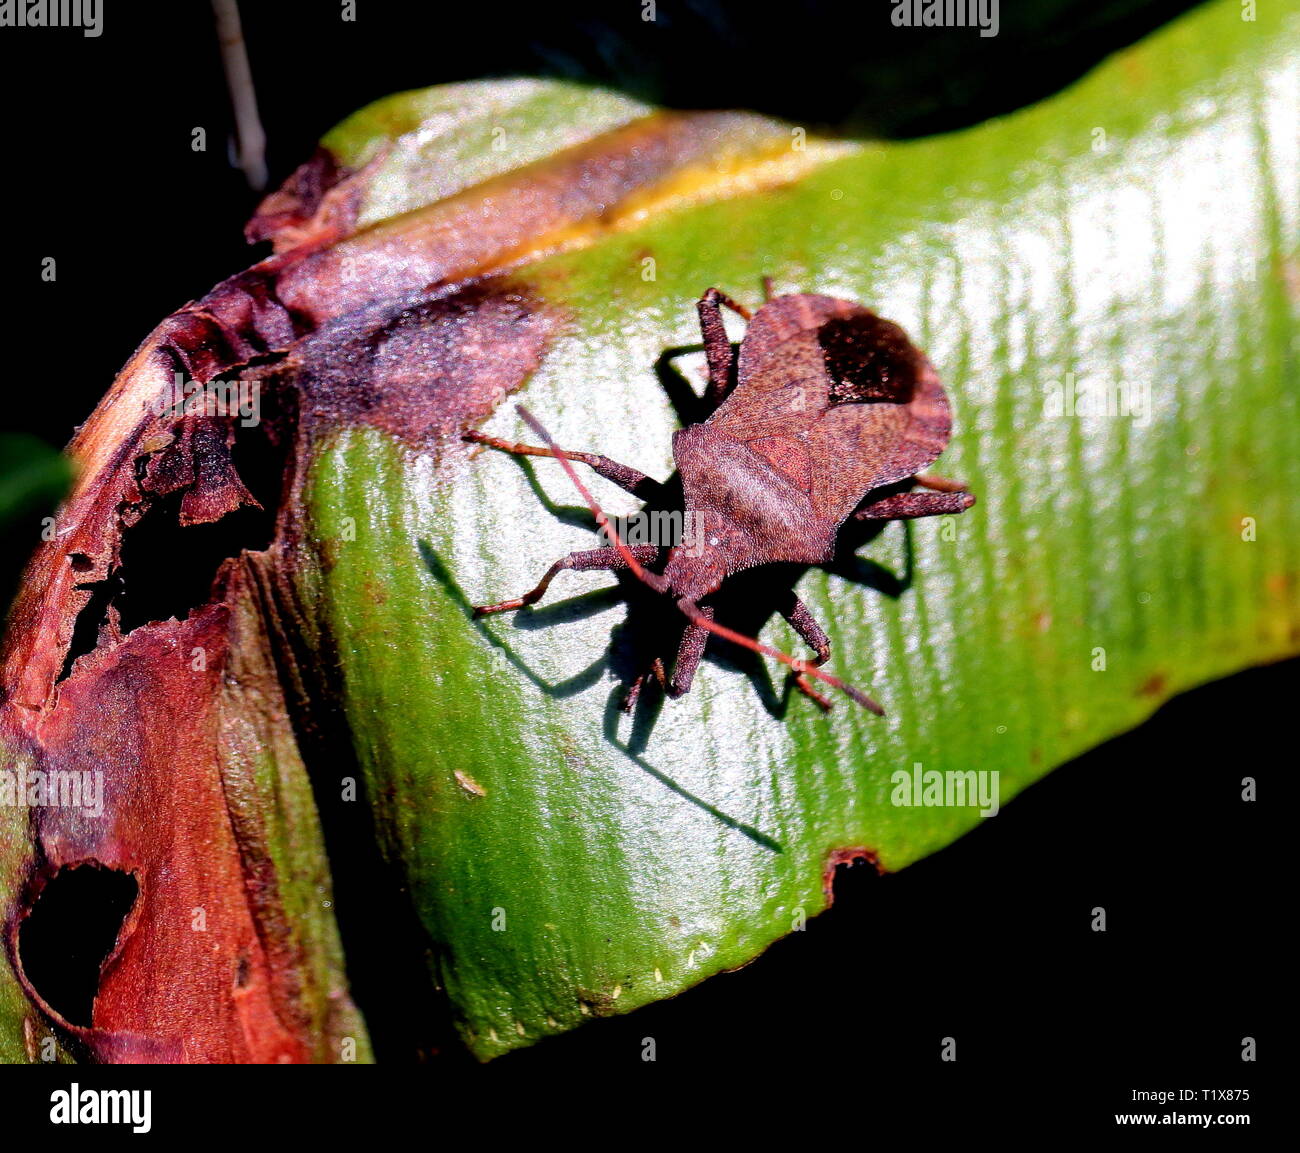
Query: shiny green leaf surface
1107 284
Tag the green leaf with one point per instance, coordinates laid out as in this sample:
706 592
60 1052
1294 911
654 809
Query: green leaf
32 478
1132 237
31 474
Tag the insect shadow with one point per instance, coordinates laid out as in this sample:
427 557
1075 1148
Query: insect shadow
653 627
586 605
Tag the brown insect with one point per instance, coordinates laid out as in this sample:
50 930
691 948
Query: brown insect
826 405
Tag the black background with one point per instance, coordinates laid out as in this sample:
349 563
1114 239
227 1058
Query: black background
988 941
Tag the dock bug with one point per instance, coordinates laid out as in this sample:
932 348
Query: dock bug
826 405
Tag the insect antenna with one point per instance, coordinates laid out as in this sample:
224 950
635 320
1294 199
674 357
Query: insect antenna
654 580
689 608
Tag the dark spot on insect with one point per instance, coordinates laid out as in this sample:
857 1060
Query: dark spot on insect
868 360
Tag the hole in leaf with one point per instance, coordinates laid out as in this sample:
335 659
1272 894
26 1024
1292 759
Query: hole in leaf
69 932
167 568
85 632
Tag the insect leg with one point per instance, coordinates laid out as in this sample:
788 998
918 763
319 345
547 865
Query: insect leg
698 616
717 346
908 505
695 637
689 653
689 609
591 559
626 477
801 620
815 637
633 693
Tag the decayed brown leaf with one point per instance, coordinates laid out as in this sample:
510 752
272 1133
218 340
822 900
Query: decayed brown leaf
410 324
